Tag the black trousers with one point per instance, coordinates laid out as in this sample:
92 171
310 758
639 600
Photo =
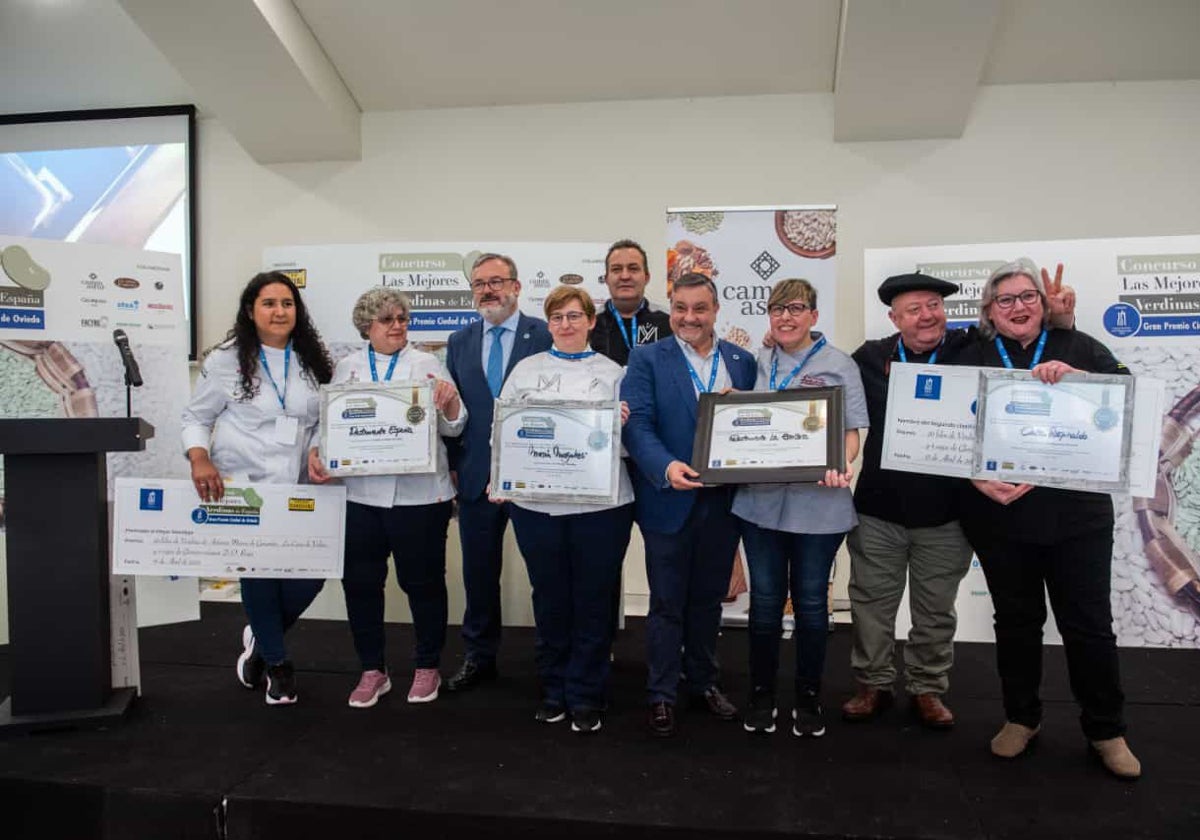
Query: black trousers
1076 573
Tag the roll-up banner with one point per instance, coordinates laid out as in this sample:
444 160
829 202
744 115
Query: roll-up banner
746 251
60 303
1140 297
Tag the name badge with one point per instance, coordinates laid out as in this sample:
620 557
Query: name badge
287 429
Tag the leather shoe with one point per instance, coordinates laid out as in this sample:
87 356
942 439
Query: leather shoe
1117 758
867 702
716 703
661 720
932 711
471 674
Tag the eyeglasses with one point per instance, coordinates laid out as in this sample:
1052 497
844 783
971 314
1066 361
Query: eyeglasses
388 320
572 317
1027 297
793 309
493 283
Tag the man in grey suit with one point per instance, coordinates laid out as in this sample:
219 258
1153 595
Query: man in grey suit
479 358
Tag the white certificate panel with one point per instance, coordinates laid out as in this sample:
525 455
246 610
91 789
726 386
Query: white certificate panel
770 435
161 527
1075 433
930 422
556 451
378 428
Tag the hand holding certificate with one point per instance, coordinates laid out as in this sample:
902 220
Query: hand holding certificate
770 437
378 428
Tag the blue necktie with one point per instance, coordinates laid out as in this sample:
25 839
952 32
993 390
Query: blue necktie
495 367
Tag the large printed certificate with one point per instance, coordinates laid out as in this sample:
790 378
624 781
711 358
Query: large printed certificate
257 530
930 426
1074 433
378 428
769 437
547 451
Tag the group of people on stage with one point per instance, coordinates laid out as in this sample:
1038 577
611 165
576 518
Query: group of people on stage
255 413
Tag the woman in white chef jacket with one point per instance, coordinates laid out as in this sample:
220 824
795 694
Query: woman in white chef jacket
402 515
573 550
251 418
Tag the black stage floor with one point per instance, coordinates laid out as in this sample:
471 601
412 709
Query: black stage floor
203 758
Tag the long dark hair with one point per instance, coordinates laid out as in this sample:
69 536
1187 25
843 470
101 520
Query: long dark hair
315 363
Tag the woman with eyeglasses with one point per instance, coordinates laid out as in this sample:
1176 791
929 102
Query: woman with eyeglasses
1034 541
405 516
573 550
792 531
251 418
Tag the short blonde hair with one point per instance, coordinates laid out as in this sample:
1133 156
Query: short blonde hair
562 295
793 289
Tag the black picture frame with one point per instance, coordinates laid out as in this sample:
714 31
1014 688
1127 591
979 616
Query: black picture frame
756 406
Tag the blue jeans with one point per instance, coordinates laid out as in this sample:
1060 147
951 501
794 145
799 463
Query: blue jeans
574 564
777 559
415 536
272 606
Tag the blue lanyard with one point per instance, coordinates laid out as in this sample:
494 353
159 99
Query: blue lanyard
712 376
391 365
287 363
558 354
1037 354
932 360
775 365
631 339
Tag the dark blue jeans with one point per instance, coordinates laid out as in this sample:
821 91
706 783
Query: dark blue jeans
481 526
415 536
272 606
574 564
689 574
781 562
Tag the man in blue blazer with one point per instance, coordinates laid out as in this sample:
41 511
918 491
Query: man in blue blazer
689 531
479 358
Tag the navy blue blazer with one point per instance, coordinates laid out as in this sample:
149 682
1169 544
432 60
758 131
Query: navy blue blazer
471 453
662 425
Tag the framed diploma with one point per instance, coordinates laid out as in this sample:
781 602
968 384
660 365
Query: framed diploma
769 437
378 428
556 451
1076 433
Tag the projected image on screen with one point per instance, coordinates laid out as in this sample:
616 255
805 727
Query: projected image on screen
117 179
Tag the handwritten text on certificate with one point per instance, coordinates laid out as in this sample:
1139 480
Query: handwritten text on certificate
161 527
930 424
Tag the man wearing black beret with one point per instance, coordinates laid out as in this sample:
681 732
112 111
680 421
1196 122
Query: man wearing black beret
908 522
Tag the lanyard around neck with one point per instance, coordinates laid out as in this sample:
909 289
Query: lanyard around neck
712 376
631 339
558 354
1037 354
287 362
788 379
391 365
932 360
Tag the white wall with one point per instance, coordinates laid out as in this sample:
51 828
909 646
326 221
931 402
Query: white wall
1035 162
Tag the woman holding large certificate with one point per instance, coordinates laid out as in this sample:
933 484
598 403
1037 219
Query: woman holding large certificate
405 516
573 550
252 416
1037 540
792 531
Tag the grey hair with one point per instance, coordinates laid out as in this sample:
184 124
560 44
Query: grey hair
374 302
693 279
508 261
1021 266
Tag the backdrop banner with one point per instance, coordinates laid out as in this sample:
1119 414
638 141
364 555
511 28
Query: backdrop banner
1141 297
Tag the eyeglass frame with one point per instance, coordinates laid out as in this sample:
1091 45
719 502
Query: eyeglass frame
573 316
388 320
494 284
1006 302
778 309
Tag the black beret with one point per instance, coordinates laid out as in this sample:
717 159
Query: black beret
914 283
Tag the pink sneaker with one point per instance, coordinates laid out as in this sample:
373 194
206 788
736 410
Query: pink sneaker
372 686
425 685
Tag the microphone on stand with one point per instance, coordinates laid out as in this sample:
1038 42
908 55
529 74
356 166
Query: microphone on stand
133 376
